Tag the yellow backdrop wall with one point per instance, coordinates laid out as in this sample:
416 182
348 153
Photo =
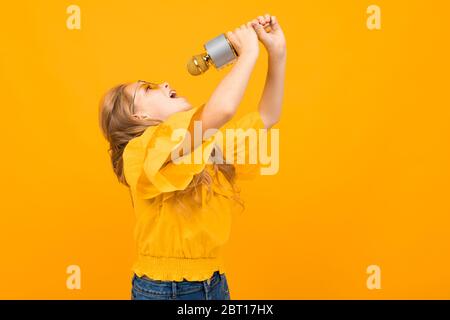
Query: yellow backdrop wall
364 156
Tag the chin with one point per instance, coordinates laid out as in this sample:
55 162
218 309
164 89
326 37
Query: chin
185 105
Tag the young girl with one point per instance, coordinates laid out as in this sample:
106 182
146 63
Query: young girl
184 209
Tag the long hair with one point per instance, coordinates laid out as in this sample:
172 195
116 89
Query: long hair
119 127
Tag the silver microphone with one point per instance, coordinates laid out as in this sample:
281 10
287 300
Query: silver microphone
219 53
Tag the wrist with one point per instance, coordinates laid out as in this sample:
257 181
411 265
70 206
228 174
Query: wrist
276 65
249 55
277 54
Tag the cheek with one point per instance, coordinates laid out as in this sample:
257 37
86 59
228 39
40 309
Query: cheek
166 106
177 105
158 104
169 106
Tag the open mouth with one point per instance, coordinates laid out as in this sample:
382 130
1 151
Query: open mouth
173 94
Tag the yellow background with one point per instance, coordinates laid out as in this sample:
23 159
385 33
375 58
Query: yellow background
364 175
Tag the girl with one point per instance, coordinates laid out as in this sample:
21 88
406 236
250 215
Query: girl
183 209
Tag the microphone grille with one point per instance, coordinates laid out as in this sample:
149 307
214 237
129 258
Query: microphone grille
192 67
197 65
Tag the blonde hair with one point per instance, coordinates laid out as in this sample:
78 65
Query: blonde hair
119 126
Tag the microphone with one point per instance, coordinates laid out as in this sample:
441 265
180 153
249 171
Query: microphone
219 53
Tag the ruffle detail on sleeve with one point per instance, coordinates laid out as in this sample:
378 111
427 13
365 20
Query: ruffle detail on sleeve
147 166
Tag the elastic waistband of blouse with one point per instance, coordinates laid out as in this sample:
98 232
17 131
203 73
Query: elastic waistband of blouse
177 268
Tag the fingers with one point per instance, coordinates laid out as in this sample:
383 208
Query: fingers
230 36
267 22
262 20
245 26
257 26
265 19
259 29
243 29
274 23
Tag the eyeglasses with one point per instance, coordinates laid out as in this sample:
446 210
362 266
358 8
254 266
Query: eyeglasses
140 84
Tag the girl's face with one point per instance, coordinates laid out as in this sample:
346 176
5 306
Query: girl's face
155 101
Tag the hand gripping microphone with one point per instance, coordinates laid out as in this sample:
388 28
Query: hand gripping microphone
219 53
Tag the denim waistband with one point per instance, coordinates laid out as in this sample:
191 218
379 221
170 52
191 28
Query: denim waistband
173 287
216 276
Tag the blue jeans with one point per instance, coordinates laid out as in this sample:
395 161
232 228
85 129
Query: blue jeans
214 288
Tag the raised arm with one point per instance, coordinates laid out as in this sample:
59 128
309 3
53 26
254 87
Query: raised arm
275 44
224 101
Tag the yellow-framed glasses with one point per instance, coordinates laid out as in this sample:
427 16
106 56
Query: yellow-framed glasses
140 84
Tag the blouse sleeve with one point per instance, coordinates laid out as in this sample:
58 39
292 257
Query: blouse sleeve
241 144
146 169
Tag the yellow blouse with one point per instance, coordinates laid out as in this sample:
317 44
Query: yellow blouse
174 243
